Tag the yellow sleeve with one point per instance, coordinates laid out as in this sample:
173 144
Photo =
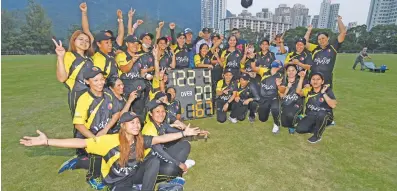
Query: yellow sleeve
99 61
68 61
80 114
121 59
286 61
306 91
223 56
101 145
312 47
173 47
242 65
149 129
219 85
262 71
197 60
156 82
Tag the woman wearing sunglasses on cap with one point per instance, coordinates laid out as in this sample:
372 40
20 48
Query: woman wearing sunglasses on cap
119 171
71 65
291 102
320 101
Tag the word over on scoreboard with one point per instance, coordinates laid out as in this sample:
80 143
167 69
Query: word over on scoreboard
194 91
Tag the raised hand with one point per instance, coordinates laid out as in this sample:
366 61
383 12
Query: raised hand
302 74
295 61
119 14
131 13
172 26
34 141
339 17
139 22
59 50
310 27
325 87
161 24
133 95
83 7
225 91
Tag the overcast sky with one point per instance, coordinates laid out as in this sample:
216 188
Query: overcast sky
350 10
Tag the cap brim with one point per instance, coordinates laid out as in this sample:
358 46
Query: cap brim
103 73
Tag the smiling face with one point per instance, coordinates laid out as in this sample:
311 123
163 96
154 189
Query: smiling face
265 46
181 40
189 37
82 42
322 40
132 127
316 81
162 44
228 76
105 46
133 46
118 87
147 40
291 71
96 83
300 47
172 92
204 50
158 114
232 41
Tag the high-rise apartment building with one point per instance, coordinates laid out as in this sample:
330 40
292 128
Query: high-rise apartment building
382 12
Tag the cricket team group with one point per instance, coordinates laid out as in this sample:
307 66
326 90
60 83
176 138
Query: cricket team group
128 132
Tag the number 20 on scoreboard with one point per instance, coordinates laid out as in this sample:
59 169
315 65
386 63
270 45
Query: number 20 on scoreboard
194 91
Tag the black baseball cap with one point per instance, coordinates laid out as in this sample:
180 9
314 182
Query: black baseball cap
227 70
159 95
162 38
302 40
102 36
108 31
92 72
128 116
245 76
146 34
131 39
206 30
317 73
180 34
153 104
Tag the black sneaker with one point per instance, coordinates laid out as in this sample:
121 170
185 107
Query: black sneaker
251 119
314 139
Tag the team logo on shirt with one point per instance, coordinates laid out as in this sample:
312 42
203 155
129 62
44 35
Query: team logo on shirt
150 59
237 55
302 58
268 59
329 50
94 68
110 106
321 99
139 87
176 107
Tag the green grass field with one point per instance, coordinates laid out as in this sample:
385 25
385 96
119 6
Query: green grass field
359 153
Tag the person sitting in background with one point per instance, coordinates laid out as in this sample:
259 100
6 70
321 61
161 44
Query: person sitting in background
202 60
246 99
360 59
278 48
206 35
226 92
320 101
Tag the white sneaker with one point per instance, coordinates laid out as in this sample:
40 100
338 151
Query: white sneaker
276 129
233 120
190 163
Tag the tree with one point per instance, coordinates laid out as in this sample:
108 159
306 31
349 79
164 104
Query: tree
9 31
36 35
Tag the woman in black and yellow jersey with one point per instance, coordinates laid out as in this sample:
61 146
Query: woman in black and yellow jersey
176 153
71 65
291 102
325 53
181 52
202 60
174 108
265 57
232 57
300 57
269 93
247 66
102 58
215 55
167 59
123 161
320 100
226 92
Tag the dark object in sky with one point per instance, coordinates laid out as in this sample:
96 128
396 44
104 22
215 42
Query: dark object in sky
246 3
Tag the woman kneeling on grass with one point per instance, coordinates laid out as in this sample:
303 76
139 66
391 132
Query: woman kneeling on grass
320 100
123 161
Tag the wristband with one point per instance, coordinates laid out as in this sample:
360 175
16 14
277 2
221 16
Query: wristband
47 143
118 20
135 26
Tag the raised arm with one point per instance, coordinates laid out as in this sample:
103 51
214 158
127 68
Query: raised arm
302 75
42 140
62 75
328 98
307 36
84 21
129 24
282 47
172 31
120 34
158 30
342 30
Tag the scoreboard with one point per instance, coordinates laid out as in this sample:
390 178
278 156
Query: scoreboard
194 91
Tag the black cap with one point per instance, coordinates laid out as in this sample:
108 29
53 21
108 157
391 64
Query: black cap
180 34
206 30
153 104
302 40
317 73
131 39
128 116
227 70
146 34
92 72
245 76
216 35
102 36
159 95
162 38
108 31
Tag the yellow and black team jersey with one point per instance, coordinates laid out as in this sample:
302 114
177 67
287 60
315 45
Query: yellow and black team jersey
247 64
165 60
198 59
123 59
315 102
75 65
221 86
304 57
173 109
250 91
181 56
108 146
265 60
292 98
106 63
146 59
118 104
232 59
268 86
324 59
155 88
93 112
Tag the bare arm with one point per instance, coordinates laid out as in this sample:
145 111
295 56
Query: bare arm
120 35
175 136
62 75
112 122
331 102
84 131
42 140
342 30
282 47
84 21
158 30
129 25
307 36
299 90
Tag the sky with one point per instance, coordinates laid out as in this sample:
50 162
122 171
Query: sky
350 10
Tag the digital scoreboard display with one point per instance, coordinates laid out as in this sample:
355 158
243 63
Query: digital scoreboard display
194 91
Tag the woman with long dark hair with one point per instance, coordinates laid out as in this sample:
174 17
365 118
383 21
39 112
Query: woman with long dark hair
232 57
126 151
201 59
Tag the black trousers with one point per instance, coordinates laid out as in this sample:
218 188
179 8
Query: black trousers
359 61
145 175
315 123
179 151
289 115
239 110
220 114
267 106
